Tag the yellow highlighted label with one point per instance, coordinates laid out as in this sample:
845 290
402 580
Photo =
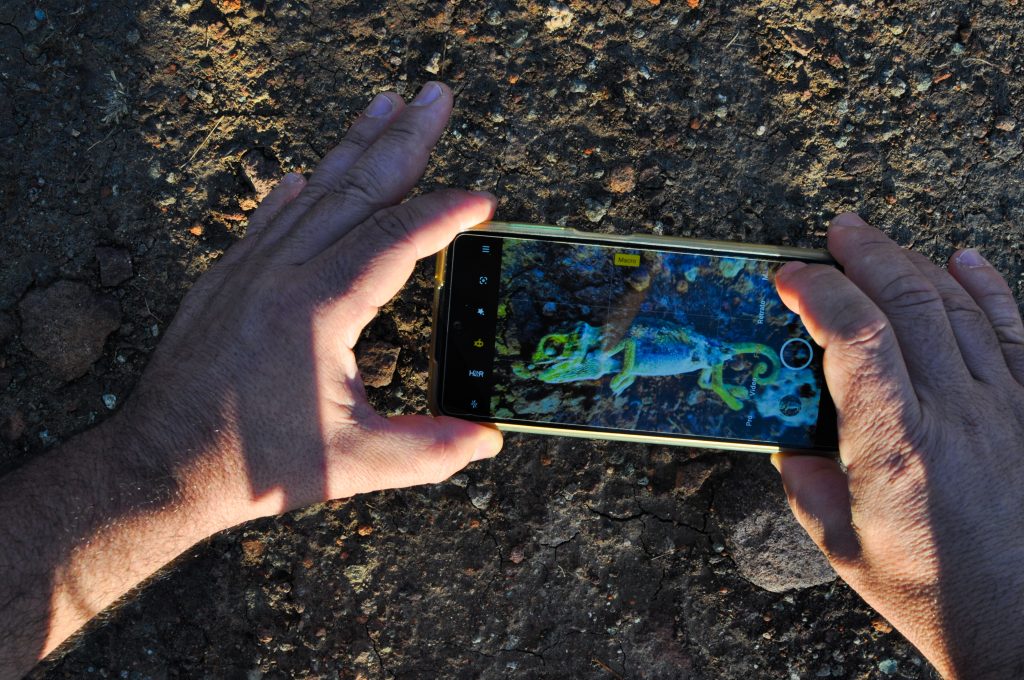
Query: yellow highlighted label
627 260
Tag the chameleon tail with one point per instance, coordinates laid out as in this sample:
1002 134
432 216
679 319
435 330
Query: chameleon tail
773 364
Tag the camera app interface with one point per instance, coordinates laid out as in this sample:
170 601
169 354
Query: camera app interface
637 340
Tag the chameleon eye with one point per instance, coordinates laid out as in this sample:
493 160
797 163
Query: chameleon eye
550 351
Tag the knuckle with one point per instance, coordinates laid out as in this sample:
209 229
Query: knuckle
356 140
867 333
907 291
1009 331
395 224
404 134
961 308
363 184
1002 314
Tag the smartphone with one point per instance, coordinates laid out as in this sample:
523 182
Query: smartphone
637 338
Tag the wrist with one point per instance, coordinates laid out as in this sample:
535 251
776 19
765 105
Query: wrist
197 464
173 471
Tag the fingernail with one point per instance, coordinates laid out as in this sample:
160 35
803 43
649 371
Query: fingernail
291 178
789 269
777 462
380 106
971 259
427 95
848 219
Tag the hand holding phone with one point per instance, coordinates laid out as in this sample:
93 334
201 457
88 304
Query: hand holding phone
542 329
923 517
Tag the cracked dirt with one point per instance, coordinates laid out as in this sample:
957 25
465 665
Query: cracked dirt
147 129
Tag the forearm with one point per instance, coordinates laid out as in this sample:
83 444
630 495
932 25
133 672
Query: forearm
80 527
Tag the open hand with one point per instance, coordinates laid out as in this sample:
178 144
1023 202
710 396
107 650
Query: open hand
254 391
925 516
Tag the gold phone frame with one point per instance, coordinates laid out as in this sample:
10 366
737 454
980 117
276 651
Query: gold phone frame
519 229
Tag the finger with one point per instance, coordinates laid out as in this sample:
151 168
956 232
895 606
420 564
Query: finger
382 176
978 344
408 450
819 496
989 290
330 172
863 362
881 269
278 198
372 262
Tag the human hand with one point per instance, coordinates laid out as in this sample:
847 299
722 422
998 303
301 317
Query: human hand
925 517
254 393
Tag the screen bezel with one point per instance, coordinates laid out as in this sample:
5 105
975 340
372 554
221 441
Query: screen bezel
826 437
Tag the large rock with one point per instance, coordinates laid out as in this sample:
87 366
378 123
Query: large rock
66 325
769 547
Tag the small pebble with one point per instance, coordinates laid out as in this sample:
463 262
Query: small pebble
596 210
480 497
110 401
621 180
434 65
559 17
40 15
888 666
1005 123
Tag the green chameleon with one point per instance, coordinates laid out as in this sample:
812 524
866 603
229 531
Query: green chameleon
649 348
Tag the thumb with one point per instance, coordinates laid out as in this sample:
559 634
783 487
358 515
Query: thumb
409 450
819 496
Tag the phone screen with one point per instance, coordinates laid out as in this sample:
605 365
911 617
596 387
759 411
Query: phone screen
543 330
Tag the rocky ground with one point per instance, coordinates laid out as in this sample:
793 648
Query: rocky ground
138 137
